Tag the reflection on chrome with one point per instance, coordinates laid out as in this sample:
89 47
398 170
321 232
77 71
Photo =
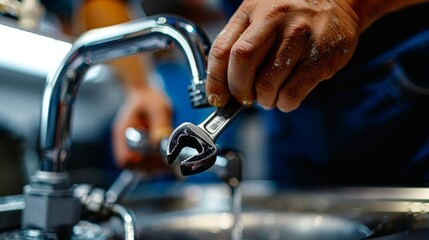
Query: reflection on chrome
102 45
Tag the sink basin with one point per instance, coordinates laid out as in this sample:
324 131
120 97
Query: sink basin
203 211
255 225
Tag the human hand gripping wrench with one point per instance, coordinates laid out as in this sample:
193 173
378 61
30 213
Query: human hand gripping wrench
201 137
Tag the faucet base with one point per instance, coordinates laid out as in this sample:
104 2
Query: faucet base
50 204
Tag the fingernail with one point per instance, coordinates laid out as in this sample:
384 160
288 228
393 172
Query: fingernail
246 102
266 108
214 100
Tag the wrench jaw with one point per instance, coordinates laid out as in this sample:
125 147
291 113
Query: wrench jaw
198 163
189 135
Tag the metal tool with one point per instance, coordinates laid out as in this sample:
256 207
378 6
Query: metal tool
228 163
201 137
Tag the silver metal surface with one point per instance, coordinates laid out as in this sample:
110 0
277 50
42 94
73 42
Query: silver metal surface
201 137
256 226
128 221
202 211
228 164
101 45
220 119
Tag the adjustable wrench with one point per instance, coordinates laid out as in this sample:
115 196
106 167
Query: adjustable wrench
201 137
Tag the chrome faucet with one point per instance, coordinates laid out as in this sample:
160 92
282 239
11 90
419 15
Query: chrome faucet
99 46
50 202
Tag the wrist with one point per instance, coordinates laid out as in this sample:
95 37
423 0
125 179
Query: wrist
137 90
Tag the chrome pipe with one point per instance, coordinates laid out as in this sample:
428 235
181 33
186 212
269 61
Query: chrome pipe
128 221
102 45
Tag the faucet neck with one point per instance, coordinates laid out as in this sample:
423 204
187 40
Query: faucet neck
105 44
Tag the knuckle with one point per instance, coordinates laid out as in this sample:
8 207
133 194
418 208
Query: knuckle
237 90
220 49
330 52
315 71
321 61
215 80
279 11
289 96
265 88
300 29
243 49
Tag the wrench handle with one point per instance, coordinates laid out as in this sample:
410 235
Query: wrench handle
220 119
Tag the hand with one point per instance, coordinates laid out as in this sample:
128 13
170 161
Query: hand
148 109
276 51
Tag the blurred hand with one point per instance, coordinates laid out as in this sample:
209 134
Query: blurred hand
276 51
147 109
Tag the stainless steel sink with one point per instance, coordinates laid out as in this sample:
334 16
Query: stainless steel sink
203 211
170 210
255 225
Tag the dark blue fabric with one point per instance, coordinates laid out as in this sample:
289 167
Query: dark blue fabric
360 128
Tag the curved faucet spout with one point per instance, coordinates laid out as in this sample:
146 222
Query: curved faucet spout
104 44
